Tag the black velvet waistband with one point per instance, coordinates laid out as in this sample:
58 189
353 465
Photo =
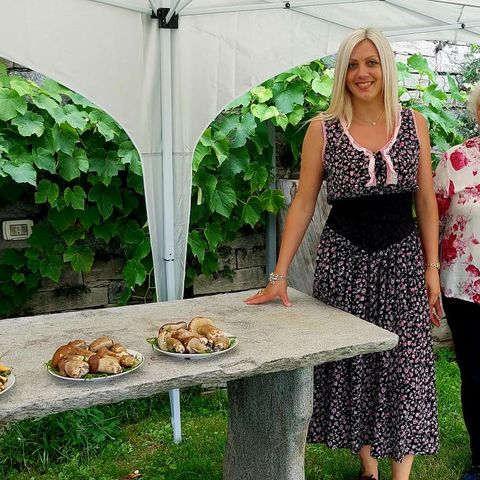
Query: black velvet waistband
373 222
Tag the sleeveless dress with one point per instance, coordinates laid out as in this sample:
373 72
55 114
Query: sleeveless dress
370 263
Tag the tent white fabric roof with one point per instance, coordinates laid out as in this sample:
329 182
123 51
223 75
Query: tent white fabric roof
164 86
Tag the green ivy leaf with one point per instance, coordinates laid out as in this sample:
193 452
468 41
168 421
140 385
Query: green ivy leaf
51 267
237 162
22 173
45 103
297 115
106 197
72 235
62 219
75 197
142 249
44 160
105 124
433 96
18 278
210 264
42 237
133 233
419 63
75 118
129 202
46 191
22 87
264 112
201 151
134 272
88 217
214 235
244 101
287 96
272 200
197 244
106 165
105 231
323 85
12 257
64 138
11 104
80 256
129 156
261 93
71 166
54 89
223 199
77 99
252 211
258 176
205 182
29 124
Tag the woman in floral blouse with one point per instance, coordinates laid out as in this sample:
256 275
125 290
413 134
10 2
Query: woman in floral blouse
457 185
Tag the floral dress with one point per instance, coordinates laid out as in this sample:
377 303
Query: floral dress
370 263
457 186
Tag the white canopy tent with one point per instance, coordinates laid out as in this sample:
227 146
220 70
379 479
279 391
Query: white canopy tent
165 85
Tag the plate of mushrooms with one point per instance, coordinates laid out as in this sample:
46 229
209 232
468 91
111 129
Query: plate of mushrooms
100 360
198 339
7 379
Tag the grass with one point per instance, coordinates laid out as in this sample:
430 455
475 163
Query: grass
137 436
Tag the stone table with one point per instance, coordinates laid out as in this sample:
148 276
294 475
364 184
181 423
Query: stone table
269 374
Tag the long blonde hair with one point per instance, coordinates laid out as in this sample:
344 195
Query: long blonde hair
341 101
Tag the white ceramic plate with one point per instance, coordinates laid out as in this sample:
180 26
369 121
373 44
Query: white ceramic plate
198 356
9 384
137 355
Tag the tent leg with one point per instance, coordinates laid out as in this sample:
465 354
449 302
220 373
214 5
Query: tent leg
175 415
271 232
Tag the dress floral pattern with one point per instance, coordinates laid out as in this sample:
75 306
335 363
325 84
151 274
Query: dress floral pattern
386 400
457 186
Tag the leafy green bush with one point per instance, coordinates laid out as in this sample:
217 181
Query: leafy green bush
58 151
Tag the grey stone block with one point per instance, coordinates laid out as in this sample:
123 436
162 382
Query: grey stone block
53 301
242 280
253 257
248 241
109 270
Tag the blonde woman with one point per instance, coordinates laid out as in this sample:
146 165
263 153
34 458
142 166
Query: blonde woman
457 184
373 260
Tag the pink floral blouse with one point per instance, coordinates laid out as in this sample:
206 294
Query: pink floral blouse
457 186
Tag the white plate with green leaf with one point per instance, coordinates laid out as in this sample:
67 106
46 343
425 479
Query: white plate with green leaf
194 356
9 383
94 377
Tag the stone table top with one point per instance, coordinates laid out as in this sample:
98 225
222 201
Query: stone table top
271 338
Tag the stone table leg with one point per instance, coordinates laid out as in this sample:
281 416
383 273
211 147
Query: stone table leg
267 426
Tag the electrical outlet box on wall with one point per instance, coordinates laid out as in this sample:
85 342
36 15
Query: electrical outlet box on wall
17 229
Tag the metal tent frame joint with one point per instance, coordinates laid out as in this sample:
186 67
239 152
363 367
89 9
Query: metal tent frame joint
162 14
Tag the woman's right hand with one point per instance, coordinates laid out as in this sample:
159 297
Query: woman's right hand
269 293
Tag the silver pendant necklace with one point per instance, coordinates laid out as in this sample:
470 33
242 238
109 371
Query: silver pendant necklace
374 122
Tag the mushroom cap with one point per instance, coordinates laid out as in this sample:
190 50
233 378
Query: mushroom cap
107 364
197 322
170 327
175 345
100 342
76 368
61 352
79 344
118 348
196 346
222 342
185 335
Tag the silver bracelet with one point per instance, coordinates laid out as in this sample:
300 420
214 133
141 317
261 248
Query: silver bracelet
273 278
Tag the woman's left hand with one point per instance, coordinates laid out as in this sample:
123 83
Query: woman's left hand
432 280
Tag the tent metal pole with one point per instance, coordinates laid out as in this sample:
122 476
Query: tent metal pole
125 5
271 231
168 196
172 11
319 17
410 31
422 13
269 6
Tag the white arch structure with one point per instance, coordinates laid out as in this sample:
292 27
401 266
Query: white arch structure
164 86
